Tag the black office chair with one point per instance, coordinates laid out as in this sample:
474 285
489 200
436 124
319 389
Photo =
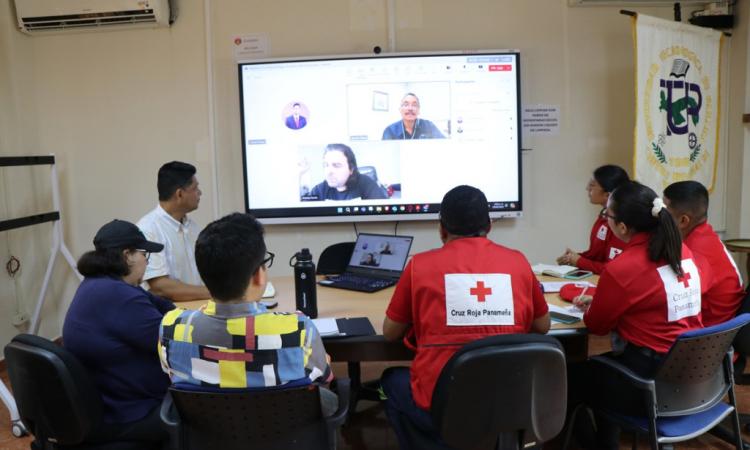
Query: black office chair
372 173
369 171
500 392
685 397
335 258
269 419
57 400
741 345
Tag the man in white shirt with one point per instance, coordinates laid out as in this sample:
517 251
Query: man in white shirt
173 273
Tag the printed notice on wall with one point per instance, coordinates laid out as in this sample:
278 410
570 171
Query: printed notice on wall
541 120
250 46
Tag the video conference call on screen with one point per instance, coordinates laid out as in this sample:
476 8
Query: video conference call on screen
367 137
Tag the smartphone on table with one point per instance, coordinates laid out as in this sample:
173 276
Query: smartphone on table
578 274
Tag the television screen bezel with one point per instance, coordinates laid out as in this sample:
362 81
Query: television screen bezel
282 216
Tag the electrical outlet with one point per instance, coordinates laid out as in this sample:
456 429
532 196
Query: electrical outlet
20 318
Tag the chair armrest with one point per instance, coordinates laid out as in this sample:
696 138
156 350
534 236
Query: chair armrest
343 390
170 419
631 377
334 421
168 413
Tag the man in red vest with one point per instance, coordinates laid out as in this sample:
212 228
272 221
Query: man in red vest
467 289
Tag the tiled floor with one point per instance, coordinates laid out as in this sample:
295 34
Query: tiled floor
369 429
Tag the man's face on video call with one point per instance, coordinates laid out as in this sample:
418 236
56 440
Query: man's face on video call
409 108
336 168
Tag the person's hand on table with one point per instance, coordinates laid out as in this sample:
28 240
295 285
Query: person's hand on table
569 257
583 302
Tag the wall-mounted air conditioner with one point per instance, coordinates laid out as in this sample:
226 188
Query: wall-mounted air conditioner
634 2
37 16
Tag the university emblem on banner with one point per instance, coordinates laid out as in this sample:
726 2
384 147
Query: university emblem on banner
677 106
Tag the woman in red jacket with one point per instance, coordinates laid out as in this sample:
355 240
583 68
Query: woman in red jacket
645 298
603 245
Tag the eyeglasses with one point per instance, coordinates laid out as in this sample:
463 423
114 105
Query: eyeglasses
268 262
146 253
605 215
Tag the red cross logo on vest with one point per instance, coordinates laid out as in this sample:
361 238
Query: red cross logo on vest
480 291
684 279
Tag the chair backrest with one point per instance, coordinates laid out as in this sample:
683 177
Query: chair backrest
267 419
335 258
695 374
55 396
741 342
369 171
507 384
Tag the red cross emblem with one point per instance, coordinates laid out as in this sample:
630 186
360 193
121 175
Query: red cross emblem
480 291
684 280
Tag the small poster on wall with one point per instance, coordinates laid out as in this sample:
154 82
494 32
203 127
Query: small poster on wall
541 120
250 46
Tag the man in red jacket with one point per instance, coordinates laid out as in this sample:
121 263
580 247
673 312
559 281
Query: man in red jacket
467 289
687 201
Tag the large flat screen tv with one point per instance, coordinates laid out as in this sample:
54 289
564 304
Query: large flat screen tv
361 138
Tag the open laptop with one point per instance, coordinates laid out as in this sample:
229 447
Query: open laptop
376 263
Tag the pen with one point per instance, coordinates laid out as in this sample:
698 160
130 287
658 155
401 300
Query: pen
577 300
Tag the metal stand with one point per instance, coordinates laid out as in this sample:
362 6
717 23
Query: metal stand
58 246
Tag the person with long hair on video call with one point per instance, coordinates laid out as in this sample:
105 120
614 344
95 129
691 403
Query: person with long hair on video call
411 126
342 178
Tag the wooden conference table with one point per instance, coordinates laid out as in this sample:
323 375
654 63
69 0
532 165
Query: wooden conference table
740 246
340 303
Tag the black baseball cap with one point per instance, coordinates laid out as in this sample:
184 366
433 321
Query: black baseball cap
123 234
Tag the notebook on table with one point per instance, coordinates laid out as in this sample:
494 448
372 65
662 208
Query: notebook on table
376 263
563 271
345 327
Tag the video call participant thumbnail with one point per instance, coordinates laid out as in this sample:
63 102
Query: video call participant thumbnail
369 259
411 126
343 180
296 121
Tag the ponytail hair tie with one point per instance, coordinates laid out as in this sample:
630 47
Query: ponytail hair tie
658 206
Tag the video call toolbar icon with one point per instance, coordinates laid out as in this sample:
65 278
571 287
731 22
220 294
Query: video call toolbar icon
395 209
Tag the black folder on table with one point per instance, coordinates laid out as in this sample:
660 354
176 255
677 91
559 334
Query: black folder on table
352 326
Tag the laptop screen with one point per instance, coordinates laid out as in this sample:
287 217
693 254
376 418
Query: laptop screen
380 251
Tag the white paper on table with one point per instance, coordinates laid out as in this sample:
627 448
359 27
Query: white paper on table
571 310
326 326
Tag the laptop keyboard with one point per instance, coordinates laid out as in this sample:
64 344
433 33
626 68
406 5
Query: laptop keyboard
359 283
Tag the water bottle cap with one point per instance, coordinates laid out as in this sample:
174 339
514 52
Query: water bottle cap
304 255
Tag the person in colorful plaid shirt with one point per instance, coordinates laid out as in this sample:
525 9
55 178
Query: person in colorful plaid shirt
235 342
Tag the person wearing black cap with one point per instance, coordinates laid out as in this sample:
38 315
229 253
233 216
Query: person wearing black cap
112 327
468 289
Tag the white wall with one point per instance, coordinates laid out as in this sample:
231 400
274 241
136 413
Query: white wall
114 105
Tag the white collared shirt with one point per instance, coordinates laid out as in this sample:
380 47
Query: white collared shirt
177 260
